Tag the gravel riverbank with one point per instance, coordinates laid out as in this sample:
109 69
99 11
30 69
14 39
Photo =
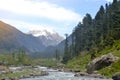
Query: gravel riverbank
16 73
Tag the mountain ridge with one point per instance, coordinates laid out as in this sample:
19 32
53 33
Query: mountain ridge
48 38
12 39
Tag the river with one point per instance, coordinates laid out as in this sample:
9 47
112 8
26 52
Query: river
57 75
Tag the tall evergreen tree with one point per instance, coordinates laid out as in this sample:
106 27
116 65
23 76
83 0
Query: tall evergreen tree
93 35
66 52
57 56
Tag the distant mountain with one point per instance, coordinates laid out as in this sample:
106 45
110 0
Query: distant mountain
12 39
48 38
60 48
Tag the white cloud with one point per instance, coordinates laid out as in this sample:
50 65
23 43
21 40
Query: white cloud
25 27
100 0
39 9
109 0
93 0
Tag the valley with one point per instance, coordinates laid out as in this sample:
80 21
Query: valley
90 52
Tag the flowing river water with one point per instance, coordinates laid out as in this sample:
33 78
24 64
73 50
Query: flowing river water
57 75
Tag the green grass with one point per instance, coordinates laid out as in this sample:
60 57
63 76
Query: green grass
8 59
46 62
115 67
117 45
79 62
111 70
110 49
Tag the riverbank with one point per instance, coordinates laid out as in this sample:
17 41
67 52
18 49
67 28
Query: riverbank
78 72
44 73
62 75
16 73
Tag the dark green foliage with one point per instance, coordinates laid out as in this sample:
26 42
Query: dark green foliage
96 34
99 32
16 58
66 56
100 14
114 1
87 21
57 56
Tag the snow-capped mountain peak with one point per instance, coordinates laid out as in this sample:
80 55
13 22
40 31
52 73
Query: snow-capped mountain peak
38 33
48 37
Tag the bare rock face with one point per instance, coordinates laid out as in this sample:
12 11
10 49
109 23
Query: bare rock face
48 37
101 62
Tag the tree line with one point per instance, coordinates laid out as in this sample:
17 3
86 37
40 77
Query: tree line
94 35
15 58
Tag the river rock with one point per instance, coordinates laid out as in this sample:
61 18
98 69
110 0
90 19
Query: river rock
43 73
76 70
97 76
81 74
116 77
101 62
94 75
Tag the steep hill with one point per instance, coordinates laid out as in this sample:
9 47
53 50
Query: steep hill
95 38
12 39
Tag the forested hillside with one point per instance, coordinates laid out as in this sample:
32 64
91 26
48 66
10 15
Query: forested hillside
94 35
93 38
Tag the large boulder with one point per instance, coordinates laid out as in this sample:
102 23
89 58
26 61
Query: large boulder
101 62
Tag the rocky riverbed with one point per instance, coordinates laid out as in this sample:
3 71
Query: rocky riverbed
16 73
43 73
62 75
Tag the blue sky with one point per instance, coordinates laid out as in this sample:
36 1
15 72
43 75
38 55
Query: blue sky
54 15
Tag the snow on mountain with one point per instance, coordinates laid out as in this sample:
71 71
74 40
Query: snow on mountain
37 33
48 37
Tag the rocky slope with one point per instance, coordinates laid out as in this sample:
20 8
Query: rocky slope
59 48
48 38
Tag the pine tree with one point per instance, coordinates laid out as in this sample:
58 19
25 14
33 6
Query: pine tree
57 56
66 52
93 35
114 1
